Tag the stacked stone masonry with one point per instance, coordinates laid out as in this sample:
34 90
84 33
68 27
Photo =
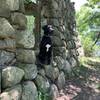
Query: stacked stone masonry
20 77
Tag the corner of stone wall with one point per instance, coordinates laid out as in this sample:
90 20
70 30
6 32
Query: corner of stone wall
17 56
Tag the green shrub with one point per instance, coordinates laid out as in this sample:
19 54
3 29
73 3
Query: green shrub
87 46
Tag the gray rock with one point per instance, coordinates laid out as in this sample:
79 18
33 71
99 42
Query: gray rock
5 12
55 5
59 62
61 80
57 41
51 72
21 6
63 64
60 51
55 22
13 93
29 91
71 44
67 67
8 5
65 53
7 44
53 92
41 72
6 30
29 69
11 76
5 96
25 39
6 57
73 62
42 84
58 33
26 56
19 19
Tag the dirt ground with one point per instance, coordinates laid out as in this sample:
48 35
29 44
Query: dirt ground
85 85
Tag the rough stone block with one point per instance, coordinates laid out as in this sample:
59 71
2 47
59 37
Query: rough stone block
61 80
6 58
13 93
6 30
71 44
19 19
25 39
67 67
42 84
7 44
51 72
25 56
59 62
73 62
53 92
29 91
11 76
29 69
8 5
57 41
21 6
59 51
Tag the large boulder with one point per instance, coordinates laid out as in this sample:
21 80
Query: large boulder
73 62
42 84
19 19
5 96
58 33
29 91
57 41
54 93
63 64
7 44
8 5
26 56
61 51
71 44
6 30
21 6
67 67
29 69
13 93
61 80
6 57
52 72
42 72
59 62
25 39
11 76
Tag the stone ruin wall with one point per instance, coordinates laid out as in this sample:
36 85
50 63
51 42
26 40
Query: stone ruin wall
20 79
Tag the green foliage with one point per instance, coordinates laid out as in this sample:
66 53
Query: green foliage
87 44
88 20
30 23
93 2
42 96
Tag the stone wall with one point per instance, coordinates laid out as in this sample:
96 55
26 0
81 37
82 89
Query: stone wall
21 78
61 14
17 57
